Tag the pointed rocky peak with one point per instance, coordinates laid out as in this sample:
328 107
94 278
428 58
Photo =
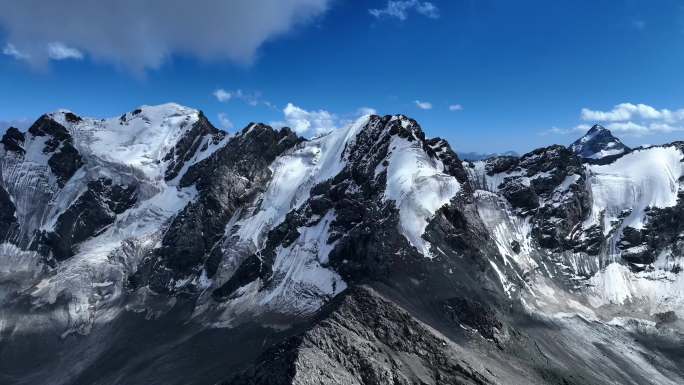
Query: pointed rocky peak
13 140
46 125
197 139
598 143
64 158
256 130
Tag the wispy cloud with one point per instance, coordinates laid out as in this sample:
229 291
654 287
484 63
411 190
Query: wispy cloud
60 51
222 95
423 105
455 107
11 50
400 9
251 98
54 51
225 123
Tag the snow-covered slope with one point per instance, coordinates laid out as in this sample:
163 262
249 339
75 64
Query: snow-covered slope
623 190
127 151
138 139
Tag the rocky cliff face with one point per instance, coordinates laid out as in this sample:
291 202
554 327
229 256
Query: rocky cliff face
368 255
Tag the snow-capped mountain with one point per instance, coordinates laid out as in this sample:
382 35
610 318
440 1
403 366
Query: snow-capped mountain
155 248
598 143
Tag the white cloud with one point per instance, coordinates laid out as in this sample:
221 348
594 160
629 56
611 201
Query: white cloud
637 119
629 119
428 9
639 129
141 35
251 98
320 122
400 9
59 51
628 111
222 95
11 50
455 107
225 123
303 121
423 105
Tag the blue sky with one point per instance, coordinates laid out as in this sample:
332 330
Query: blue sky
517 75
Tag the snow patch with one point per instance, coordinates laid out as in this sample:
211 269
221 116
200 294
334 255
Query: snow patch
418 185
641 179
138 140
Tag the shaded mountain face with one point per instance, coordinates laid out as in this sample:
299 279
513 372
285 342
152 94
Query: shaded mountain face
154 248
598 143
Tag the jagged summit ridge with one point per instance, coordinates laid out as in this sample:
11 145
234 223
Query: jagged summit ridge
598 143
156 221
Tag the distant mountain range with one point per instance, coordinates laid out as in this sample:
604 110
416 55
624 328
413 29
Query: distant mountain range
473 156
154 248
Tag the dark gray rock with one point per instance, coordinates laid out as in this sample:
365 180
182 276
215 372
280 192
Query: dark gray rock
593 243
361 338
499 164
474 314
92 212
665 318
556 213
8 220
13 140
65 159
519 194
64 163
228 179
188 145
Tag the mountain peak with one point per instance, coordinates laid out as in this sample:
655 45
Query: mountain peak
597 128
598 143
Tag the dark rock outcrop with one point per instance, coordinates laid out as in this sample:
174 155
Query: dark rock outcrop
8 220
64 163
520 194
188 145
92 212
225 181
361 338
547 184
474 314
13 140
65 159
499 164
